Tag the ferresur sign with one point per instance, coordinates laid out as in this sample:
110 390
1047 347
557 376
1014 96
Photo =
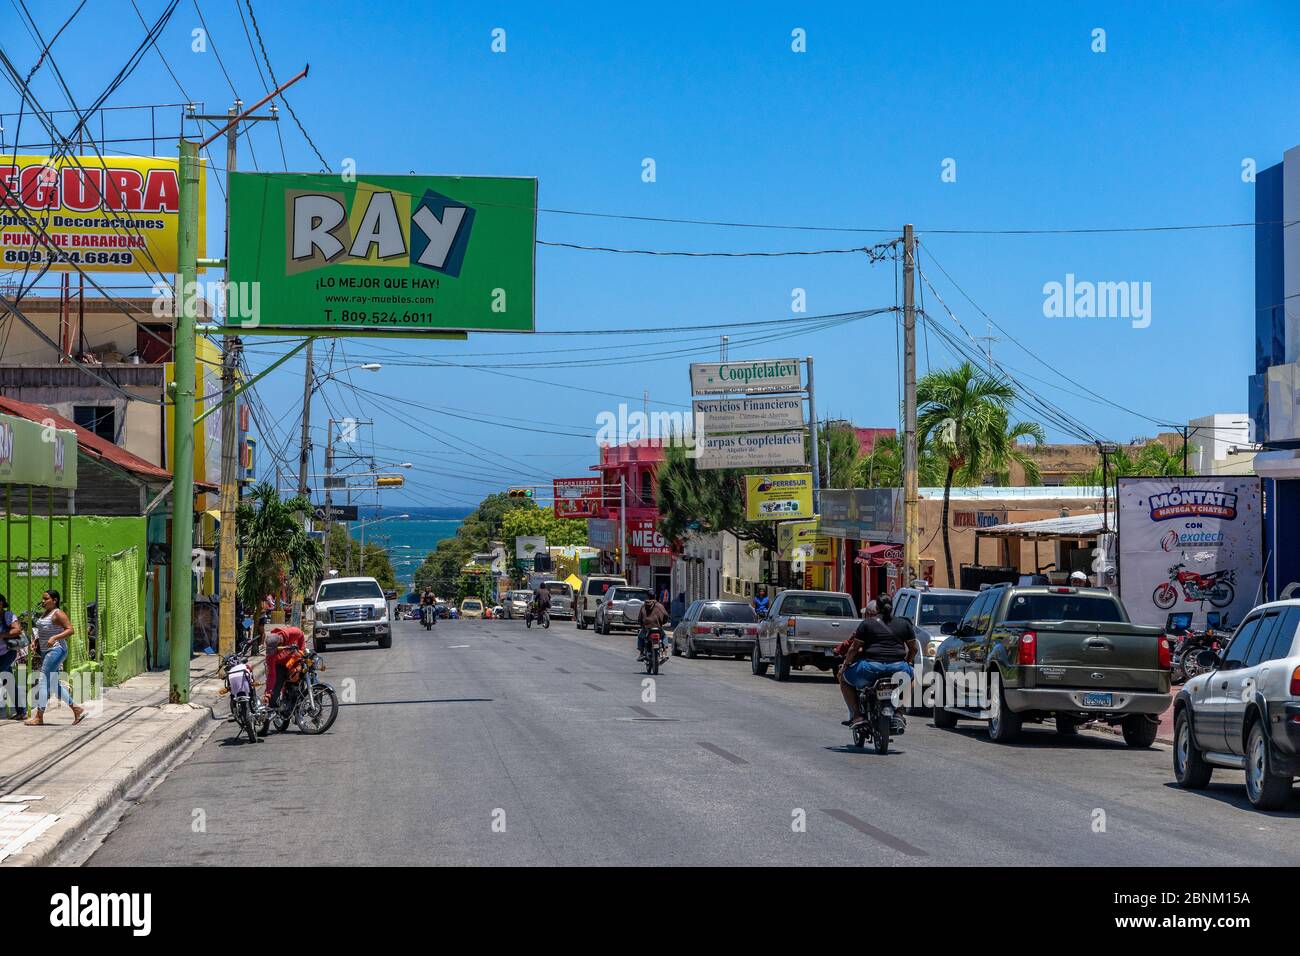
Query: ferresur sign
384 254
763 375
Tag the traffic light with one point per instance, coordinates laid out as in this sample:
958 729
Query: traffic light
520 493
390 481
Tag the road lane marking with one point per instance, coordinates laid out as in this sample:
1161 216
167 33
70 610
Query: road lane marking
563 671
595 687
888 839
452 647
642 711
724 754
536 658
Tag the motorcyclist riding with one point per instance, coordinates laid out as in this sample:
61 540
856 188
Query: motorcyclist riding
652 616
881 645
541 601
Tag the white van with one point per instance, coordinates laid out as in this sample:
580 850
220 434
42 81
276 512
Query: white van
593 589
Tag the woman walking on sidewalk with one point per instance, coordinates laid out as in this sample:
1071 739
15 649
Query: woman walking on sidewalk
53 631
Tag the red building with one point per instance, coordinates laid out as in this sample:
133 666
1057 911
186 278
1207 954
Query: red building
631 470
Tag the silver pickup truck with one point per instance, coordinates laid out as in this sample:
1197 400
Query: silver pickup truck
802 628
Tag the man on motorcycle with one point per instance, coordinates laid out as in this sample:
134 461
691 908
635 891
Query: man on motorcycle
282 642
652 616
881 645
541 601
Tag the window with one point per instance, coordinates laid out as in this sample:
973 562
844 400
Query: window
647 492
1263 640
939 608
1240 642
348 590
815 605
1063 607
1284 635
970 621
728 613
99 420
904 607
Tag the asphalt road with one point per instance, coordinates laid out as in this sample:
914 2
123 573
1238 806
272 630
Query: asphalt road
484 743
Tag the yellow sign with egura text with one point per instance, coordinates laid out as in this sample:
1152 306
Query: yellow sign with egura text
115 214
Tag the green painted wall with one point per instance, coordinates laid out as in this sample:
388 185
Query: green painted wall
95 536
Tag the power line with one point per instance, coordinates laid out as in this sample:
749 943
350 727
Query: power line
271 72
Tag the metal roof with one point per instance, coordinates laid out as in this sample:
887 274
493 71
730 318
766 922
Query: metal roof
1073 526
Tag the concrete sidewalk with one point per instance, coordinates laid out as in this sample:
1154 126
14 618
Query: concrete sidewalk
56 779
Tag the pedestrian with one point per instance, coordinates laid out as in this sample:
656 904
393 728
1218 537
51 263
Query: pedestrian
53 631
12 643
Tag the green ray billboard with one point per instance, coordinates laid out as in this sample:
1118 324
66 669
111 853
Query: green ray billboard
381 254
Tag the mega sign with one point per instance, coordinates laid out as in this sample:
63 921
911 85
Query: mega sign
577 497
115 214
644 538
1189 544
385 253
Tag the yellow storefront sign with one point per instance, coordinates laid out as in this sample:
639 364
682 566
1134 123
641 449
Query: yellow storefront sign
115 214
800 539
778 497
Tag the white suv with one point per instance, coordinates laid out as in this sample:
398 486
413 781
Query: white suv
349 610
1243 711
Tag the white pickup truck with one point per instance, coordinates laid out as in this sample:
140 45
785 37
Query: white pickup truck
802 628
349 611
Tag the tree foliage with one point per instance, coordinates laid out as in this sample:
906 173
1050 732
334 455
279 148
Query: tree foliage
558 532
376 563
442 567
709 501
275 548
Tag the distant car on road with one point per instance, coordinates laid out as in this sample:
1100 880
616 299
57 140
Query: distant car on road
516 604
561 598
1067 653
803 627
471 608
593 591
620 607
716 627
1243 712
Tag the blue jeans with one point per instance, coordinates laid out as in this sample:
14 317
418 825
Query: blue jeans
861 673
49 683
9 689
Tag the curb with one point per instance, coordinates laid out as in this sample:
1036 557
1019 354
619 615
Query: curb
1117 732
72 826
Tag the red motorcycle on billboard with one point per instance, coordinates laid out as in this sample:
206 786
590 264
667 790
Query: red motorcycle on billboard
1215 587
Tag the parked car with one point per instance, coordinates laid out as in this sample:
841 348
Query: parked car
350 610
1243 712
620 607
561 598
593 590
716 627
1067 653
803 628
516 603
471 608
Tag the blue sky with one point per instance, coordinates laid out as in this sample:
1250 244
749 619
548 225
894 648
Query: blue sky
1045 134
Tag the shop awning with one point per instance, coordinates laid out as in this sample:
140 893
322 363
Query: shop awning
881 554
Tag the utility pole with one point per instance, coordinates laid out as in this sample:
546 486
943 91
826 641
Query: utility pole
304 444
329 474
812 437
182 574
911 508
622 523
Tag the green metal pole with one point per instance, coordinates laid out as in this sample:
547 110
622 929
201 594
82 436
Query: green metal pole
182 578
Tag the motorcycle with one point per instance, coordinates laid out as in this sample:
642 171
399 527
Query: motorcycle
245 708
656 650
428 616
543 616
305 699
876 702
1215 587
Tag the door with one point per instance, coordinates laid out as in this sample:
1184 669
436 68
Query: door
1211 717
767 629
1241 682
969 660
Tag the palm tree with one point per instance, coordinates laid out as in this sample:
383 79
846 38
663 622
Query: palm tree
1156 459
964 416
883 466
275 547
842 458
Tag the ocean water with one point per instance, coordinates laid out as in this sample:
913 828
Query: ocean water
421 533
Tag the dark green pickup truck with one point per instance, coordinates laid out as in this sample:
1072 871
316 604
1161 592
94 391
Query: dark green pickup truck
1023 654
